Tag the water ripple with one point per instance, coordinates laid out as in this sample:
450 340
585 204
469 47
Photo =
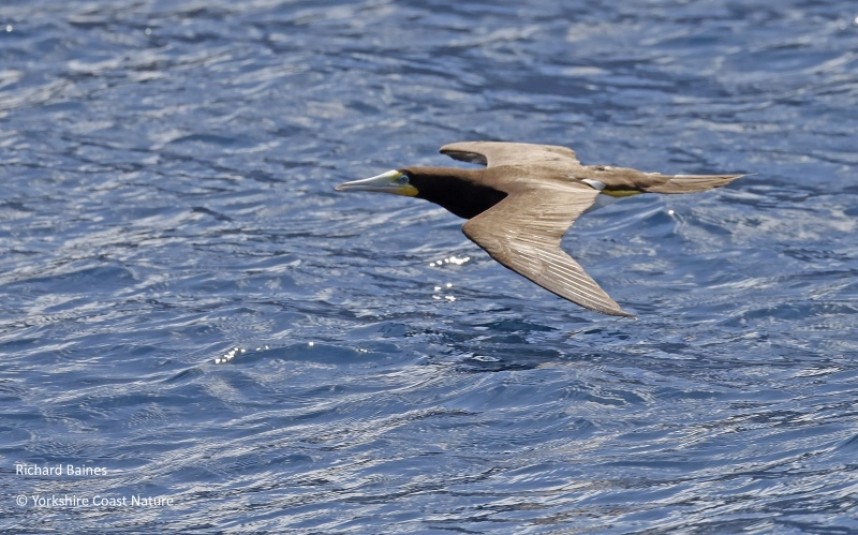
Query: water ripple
187 303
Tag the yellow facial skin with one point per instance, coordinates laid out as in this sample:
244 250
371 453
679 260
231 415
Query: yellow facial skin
393 182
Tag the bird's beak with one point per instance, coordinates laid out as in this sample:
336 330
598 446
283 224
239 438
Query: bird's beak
390 182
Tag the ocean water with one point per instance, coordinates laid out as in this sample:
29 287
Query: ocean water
199 335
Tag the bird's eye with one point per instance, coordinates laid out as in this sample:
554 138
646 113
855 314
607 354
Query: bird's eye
402 180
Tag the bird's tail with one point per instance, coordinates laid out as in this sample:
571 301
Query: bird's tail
690 183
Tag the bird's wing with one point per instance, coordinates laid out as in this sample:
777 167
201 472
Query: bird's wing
492 153
523 232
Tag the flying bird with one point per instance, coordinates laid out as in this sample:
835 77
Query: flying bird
525 199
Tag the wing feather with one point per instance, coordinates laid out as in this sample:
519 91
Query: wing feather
494 153
523 232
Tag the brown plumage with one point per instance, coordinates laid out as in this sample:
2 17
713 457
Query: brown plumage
521 204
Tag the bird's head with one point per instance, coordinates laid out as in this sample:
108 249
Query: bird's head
457 190
398 182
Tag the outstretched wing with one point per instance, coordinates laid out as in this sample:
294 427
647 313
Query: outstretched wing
523 232
492 153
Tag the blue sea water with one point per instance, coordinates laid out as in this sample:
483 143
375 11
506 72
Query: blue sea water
211 340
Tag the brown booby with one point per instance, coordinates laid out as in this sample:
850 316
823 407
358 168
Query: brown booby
519 206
